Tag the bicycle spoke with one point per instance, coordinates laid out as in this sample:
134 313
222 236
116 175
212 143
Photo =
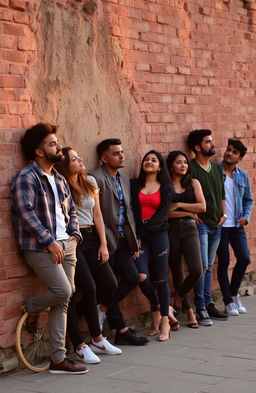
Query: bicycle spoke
33 348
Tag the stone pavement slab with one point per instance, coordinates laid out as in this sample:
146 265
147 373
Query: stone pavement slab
217 359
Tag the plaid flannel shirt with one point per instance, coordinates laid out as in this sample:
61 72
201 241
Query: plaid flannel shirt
33 208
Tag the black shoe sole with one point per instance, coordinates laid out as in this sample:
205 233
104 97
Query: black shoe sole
218 319
135 343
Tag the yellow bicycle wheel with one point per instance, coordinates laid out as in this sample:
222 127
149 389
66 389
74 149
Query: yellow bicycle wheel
33 349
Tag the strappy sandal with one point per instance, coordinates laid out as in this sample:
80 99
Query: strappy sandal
193 325
175 326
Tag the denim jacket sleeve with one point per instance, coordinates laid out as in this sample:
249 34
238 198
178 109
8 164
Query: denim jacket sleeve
247 200
243 195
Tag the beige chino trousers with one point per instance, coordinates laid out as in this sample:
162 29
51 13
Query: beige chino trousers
59 279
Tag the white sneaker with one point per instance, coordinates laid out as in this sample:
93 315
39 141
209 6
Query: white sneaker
231 309
241 309
102 317
86 355
104 346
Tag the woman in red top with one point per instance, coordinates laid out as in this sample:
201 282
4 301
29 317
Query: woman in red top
151 198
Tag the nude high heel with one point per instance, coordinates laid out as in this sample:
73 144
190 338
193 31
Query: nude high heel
174 323
192 322
164 334
156 319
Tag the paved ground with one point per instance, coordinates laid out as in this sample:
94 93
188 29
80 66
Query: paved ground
217 359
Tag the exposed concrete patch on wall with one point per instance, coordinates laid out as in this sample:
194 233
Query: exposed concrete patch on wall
77 81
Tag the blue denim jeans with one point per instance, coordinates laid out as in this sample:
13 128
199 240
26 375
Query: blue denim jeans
236 237
209 240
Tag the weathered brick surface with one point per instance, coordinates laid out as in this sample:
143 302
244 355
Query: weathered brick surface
18 4
15 41
189 64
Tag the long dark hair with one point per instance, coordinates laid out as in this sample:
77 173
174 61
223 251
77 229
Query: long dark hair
83 185
162 175
186 179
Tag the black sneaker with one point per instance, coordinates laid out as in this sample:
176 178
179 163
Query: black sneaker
67 367
130 338
203 318
216 314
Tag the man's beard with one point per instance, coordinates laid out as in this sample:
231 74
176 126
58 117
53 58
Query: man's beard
54 158
208 153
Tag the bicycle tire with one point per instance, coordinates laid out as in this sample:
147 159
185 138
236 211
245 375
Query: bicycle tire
33 349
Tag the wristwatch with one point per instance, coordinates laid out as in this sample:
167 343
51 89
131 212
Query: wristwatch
224 215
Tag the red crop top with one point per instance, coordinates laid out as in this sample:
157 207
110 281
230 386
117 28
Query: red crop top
149 204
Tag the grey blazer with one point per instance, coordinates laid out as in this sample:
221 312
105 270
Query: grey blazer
109 204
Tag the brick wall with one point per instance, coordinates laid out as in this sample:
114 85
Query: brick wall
17 50
191 64
188 64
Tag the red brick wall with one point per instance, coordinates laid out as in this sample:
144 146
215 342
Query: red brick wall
188 64
191 64
17 49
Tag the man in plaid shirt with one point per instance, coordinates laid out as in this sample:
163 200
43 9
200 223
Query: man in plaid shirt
47 229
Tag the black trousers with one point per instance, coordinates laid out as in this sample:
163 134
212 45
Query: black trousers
122 264
184 241
95 283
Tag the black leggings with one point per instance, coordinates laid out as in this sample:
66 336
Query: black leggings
184 240
95 284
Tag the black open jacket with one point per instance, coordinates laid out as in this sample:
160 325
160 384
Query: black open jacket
159 221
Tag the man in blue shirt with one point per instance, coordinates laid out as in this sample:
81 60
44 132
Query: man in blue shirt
115 202
239 204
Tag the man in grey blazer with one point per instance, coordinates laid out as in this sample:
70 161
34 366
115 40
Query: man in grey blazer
114 194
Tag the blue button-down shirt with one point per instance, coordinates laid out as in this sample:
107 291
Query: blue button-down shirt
243 195
121 229
33 208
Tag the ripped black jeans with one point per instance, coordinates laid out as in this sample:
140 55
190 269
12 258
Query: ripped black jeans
153 262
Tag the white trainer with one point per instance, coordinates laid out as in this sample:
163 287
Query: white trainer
102 317
231 309
86 355
241 309
104 346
